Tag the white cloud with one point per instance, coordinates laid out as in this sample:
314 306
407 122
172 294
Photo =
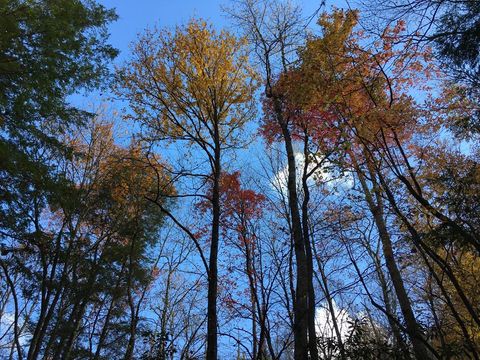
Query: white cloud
323 174
6 328
324 322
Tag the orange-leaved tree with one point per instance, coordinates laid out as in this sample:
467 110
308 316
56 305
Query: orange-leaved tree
362 94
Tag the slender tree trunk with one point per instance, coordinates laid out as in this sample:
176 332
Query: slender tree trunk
376 208
131 339
104 332
389 306
78 312
331 309
47 308
312 335
397 336
414 330
253 296
300 307
212 322
423 248
16 332
74 331
134 309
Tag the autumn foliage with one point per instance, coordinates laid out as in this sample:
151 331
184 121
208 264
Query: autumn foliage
282 190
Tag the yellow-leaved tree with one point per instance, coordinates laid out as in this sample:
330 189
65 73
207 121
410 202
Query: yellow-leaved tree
193 86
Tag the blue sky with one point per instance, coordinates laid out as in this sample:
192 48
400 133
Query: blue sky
135 16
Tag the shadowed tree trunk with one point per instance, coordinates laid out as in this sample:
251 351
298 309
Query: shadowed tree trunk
300 307
212 321
312 336
377 209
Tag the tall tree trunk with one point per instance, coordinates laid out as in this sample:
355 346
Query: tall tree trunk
331 308
376 208
300 307
312 335
77 322
48 308
249 268
134 310
399 343
389 308
213 270
131 338
104 331
16 332
103 334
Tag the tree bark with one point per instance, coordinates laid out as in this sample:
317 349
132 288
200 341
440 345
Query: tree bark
300 307
212 321
312 335
376 208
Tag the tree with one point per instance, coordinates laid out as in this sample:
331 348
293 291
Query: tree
456 37
48 50
349 81
275 30
242 209
453 29
366 194
99 259
193 86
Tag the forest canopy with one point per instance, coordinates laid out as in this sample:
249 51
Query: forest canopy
279 185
